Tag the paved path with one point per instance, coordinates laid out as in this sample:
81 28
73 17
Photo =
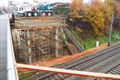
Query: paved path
3 47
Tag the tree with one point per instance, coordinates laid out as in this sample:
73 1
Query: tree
117 8
95 17
108 11
98 15
116 24
77 7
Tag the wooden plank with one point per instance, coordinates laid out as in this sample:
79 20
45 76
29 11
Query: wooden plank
41 28
68 72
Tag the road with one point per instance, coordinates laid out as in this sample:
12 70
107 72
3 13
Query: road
3 47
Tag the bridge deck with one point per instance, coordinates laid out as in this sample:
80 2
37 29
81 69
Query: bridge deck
3 47
7 60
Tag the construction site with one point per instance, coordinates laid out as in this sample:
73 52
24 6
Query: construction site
60 41
48 39
40 38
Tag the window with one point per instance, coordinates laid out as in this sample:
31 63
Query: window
21 8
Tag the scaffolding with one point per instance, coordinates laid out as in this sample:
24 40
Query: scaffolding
32 42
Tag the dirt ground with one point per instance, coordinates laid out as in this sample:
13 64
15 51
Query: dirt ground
67 58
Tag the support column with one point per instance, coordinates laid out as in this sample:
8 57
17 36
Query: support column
49 40
56 43
29 48
14 37
18 38
64 20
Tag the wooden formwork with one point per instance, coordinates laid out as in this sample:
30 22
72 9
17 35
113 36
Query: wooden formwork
33 43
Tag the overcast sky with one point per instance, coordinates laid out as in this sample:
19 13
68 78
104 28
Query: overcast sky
5 2
49 0
45 0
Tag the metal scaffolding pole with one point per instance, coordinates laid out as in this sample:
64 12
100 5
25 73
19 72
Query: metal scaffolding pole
56 43
29 48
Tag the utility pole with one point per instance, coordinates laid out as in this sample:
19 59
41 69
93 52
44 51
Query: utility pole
110 31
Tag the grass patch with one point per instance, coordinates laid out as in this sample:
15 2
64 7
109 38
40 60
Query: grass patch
115 37
90 42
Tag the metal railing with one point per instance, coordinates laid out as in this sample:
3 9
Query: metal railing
74 40
69 72
11 63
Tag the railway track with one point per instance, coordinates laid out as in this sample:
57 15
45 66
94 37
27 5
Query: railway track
102 67
98 62
115 70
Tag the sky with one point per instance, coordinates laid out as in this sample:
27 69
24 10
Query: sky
50 0
46 0
5 2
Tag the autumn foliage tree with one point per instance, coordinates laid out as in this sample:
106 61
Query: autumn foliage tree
108 7
77 7
117 7
98 14
116 23
96 18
